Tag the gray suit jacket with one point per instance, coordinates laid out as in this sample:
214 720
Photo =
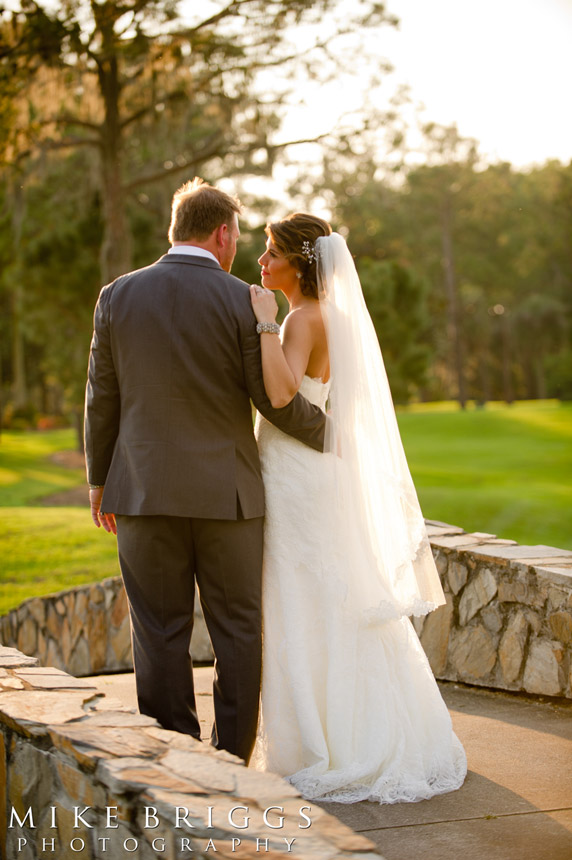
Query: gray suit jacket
174 362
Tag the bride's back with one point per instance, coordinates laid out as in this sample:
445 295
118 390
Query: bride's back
318 366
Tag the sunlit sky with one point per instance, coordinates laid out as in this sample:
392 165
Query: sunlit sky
500 69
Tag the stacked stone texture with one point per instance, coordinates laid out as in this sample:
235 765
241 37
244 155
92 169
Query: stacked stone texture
84 631
507 623
68 750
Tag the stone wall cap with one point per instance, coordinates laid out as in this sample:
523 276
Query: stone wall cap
453 541
329 838
556 561
104 702
520 552
9 682
11 658
81 736
132 774
131 754
40 707
41 670
562 575
436 531
452 529
44 679
111 718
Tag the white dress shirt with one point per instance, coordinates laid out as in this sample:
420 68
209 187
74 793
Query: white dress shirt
192 250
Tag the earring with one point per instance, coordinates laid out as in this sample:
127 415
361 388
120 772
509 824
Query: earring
298 274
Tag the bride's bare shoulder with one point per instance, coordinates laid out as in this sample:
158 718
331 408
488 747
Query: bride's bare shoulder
306 316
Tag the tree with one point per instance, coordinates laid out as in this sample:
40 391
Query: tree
540 324
55 288
490 241
444 184
123 72
396 299
151 96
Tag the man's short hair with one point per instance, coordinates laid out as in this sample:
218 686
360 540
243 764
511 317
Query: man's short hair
198 209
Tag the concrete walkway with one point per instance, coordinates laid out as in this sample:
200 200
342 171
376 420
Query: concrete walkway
516 803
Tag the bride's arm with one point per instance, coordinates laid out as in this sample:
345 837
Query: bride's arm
283 362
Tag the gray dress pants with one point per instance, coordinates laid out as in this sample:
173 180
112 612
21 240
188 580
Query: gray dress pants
160 557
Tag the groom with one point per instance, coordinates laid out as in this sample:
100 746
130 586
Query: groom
173 466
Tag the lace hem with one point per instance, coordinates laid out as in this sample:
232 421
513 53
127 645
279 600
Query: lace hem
392 787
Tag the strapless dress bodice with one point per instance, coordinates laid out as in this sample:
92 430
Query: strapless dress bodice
314 390
270 438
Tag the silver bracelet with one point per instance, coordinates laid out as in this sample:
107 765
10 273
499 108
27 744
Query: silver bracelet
96 486
271 328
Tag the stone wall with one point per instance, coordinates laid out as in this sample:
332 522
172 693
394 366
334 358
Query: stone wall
83 776
507 623
84 631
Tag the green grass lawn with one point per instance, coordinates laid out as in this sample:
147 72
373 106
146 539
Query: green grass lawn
503 469
51 549
27 472
45 549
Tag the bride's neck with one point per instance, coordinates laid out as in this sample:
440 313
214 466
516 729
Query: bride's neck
296 298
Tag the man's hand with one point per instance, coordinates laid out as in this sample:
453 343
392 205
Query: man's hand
98 517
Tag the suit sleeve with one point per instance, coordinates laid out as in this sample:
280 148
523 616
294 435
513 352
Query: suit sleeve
300 418
102 402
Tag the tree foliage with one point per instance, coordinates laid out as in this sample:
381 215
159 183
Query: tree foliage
493 244
116 100
397 300
106 105
154 95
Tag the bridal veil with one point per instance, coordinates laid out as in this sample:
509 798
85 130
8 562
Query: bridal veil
379 523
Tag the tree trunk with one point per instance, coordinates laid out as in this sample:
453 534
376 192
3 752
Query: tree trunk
115 254
19 381
78 423
539 377
453 305
485 379
506 360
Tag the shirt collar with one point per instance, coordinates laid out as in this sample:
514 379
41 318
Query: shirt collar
192 250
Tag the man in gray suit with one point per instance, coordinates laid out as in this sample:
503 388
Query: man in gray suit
170 451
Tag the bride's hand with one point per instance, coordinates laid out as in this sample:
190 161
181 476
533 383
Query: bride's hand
264 303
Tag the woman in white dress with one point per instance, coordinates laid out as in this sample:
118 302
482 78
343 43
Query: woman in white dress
350 708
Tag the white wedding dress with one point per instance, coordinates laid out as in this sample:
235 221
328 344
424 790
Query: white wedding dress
350 708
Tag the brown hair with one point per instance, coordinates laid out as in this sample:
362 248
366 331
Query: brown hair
289 236
198 209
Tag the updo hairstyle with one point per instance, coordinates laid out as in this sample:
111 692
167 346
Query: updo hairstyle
289 236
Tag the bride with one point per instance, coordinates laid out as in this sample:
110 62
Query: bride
350 708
